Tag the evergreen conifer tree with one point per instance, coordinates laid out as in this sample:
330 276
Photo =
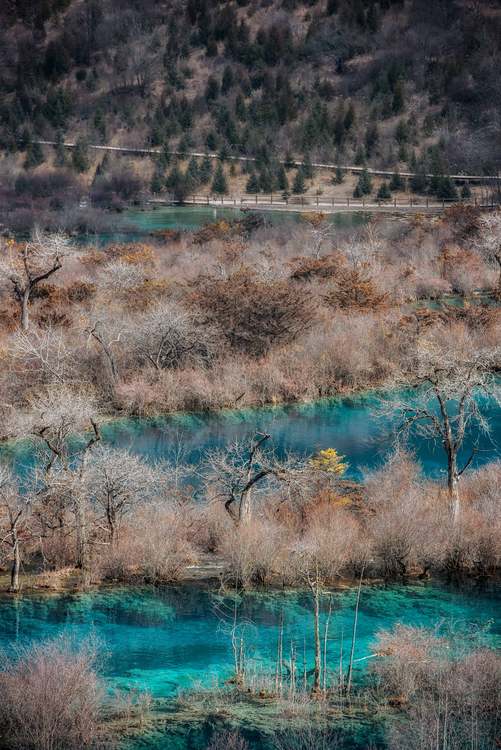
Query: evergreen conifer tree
219 183
298 186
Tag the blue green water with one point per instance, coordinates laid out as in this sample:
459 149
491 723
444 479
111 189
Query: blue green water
351 425
175 639
137 224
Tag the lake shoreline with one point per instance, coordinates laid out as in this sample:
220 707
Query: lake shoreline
206 576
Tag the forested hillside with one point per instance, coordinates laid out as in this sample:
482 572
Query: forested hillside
402 85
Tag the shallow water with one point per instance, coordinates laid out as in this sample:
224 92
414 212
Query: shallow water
138 224
351 425
175 639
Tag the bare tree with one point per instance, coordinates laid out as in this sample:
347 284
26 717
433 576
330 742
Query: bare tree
43 351
237 470
58 420
28 265
117 482
447 372
168 336
321 231
108 336
488 242
14 511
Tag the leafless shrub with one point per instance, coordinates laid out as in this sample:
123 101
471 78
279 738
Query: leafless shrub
227 741
167 336
445 693
51 698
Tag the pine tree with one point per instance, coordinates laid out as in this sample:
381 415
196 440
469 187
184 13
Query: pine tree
419 182
34 156
396 182
364 185
281 179
308 170
157 181
228 80
240 108
80 156
205 171
397 104
349 119
266 183
384 193
446 189
371 139
219 183
60 151
252 184
360 156
298 186
373 19
338 178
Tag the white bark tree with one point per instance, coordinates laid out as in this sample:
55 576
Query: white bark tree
117 482
488 242
438 397
27 265
43 351
63 422
14 515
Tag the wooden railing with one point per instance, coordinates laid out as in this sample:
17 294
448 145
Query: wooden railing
318 202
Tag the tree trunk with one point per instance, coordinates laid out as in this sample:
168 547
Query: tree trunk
318 663
16 564
498 290
244 511
453 485
25 317
82 549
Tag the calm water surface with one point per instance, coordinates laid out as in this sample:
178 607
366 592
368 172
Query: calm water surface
351 425
175 639
139 224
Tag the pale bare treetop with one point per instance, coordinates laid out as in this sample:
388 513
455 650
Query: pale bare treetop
34 257
58 411
45 351
233 473
488 241
27 265
119 276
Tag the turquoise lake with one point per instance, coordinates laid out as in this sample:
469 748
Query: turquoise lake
166 640
351 425
134 224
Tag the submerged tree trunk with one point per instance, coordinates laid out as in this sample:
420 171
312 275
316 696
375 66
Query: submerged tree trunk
315 587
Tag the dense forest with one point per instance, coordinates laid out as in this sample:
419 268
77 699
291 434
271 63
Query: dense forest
390 84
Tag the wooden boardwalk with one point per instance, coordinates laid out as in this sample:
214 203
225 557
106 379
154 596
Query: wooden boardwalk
311 203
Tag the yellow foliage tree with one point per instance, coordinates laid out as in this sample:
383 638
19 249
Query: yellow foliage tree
330 461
